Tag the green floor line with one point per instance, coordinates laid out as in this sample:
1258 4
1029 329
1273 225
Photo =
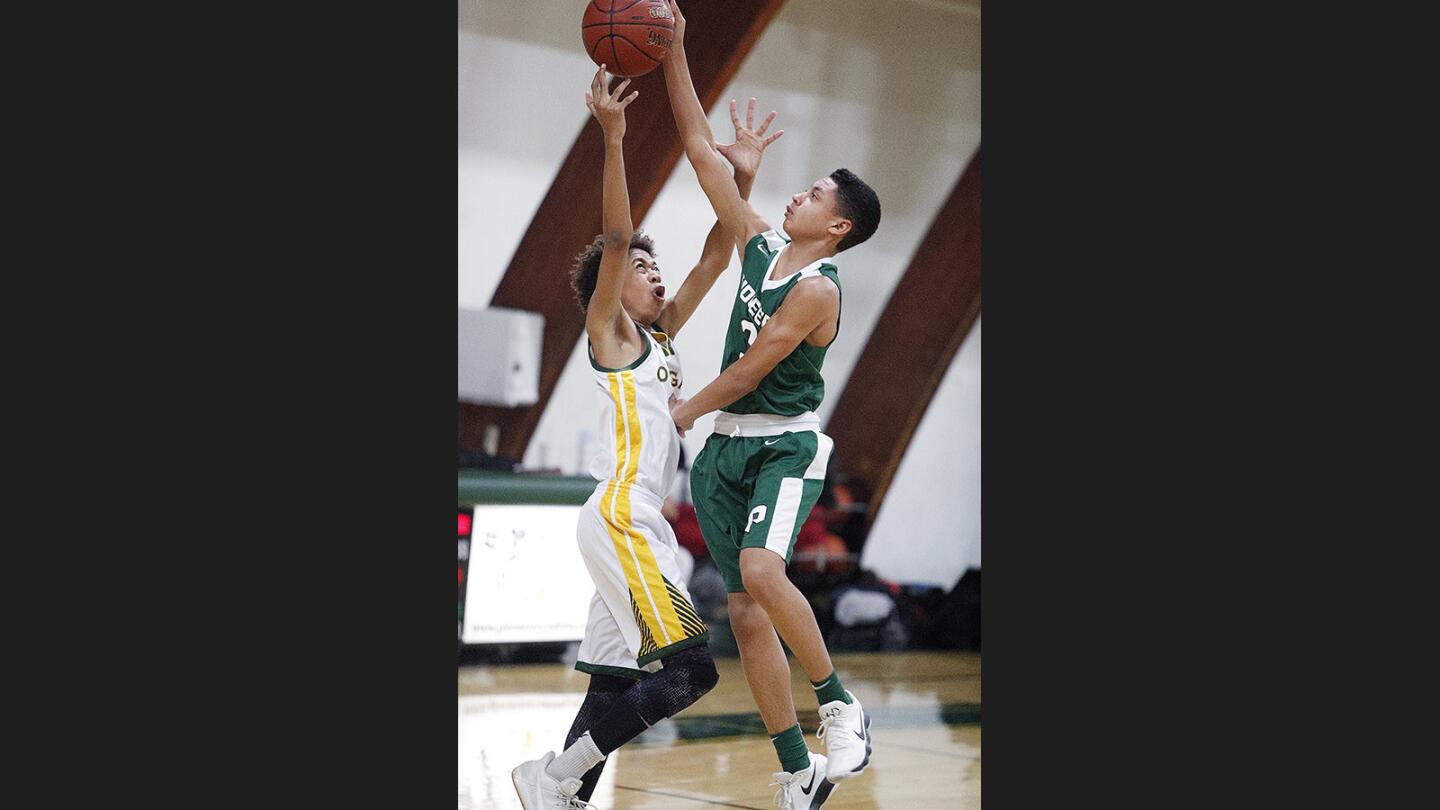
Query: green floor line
714 726
655 792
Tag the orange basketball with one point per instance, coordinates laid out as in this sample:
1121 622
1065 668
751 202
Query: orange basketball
629 37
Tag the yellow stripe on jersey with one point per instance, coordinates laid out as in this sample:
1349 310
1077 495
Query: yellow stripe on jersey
670 628
642 573
655 583
622 447
632 418
607 506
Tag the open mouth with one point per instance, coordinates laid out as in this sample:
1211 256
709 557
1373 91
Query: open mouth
658 292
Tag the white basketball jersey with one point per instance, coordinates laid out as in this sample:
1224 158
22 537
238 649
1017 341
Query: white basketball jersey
638 440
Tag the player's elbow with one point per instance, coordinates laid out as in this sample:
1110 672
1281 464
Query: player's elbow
711 266
696 157
616 238
700 151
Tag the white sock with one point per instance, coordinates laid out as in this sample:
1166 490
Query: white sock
575 761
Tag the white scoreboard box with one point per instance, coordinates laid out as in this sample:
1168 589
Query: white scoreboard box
526 581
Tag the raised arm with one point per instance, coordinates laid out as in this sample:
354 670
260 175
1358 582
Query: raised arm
744 154
736 215
605 318
812 305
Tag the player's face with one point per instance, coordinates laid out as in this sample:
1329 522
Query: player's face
644 294
811 213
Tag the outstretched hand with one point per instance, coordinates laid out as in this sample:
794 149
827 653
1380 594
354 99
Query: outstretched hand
607 107
744 154
677 37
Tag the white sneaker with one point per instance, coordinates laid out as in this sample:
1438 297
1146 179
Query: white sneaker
845 728
803 790
539 790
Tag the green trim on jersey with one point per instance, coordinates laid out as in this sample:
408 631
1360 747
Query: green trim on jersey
794 386
682 644
667 346
590 351
619 672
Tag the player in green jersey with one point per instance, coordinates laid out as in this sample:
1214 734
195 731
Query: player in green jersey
761 471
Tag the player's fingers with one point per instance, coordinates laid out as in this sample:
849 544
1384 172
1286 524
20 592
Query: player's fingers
764 125
630 98
734 117
773 138
750 114
620 88
596 83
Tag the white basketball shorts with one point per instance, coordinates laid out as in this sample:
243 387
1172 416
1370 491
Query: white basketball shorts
641 610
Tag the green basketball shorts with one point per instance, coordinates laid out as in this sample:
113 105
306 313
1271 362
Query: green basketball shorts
753 490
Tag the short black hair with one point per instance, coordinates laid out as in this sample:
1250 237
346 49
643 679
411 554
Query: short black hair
857 202
586 272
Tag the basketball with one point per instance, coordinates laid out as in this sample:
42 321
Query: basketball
629 37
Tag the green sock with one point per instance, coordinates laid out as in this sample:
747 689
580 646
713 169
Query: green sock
830 689
790 746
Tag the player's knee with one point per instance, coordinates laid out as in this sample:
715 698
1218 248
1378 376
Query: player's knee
746 616
699 670
705 675
763 572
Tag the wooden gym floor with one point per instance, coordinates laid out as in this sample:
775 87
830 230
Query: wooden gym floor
924 707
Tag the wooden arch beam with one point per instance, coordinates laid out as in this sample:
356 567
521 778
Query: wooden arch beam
720 36
937 300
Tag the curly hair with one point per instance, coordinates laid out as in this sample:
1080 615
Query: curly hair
586 272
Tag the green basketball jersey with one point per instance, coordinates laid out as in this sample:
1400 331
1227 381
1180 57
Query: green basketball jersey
794 386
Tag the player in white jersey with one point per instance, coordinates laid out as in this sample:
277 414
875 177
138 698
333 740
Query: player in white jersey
645 646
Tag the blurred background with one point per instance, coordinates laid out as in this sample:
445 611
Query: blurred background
890 559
